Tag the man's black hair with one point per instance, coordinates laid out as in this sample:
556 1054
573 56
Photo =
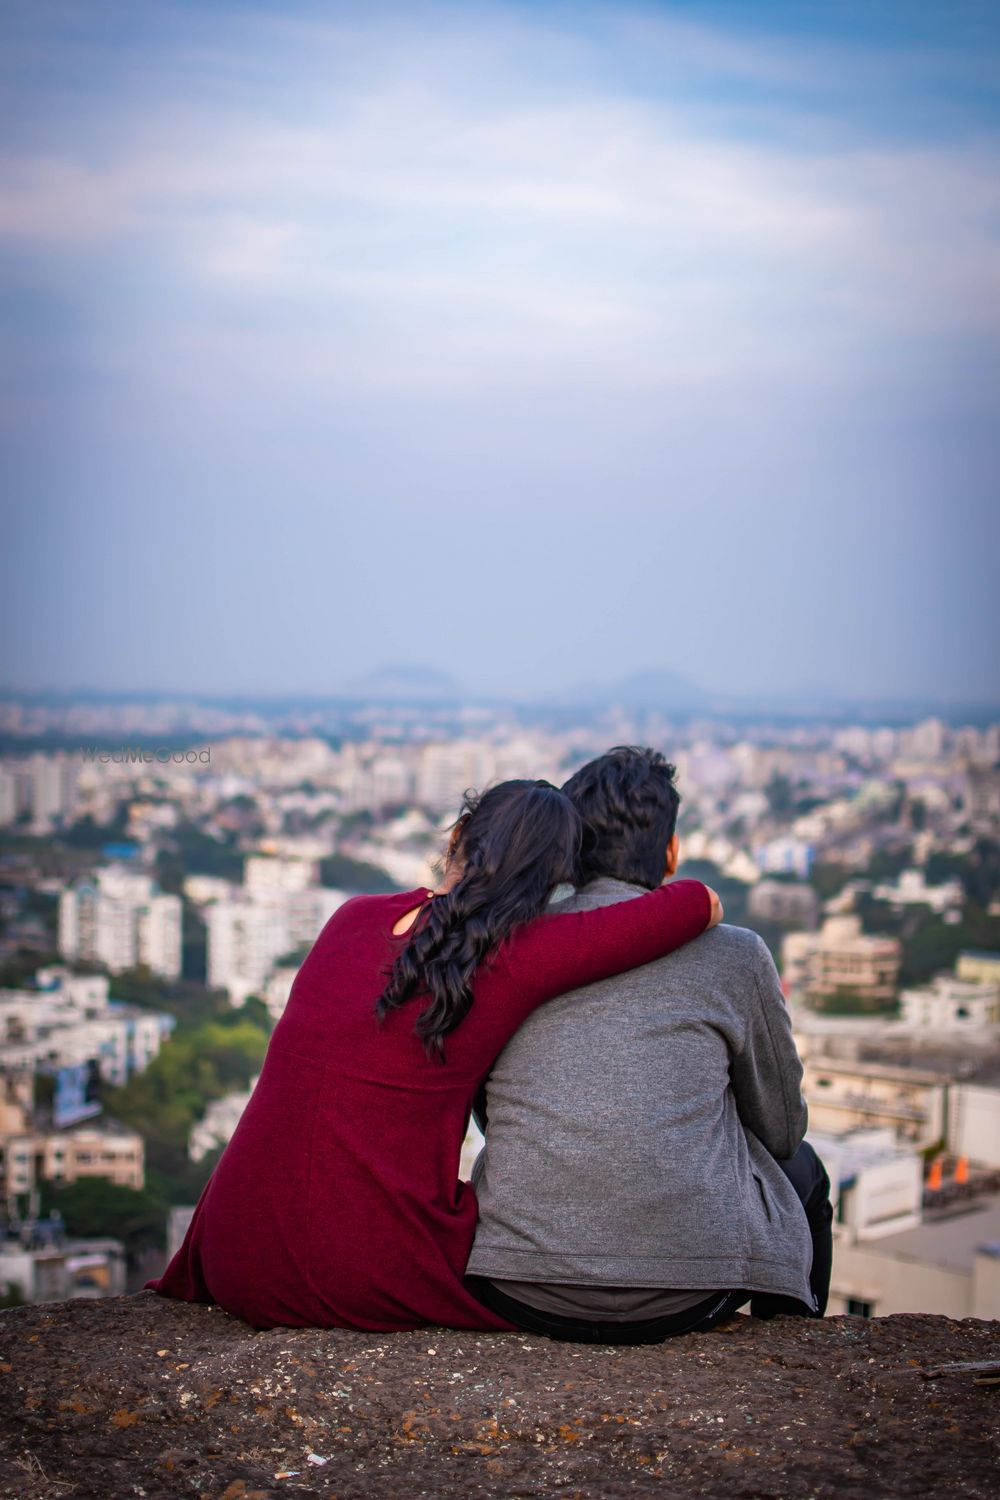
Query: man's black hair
628 802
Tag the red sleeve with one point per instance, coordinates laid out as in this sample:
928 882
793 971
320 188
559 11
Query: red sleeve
557 953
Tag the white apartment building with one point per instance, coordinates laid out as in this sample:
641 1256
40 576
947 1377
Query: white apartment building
218 1123
245 939
446 771
70 1020
911 889
785 856
159 935
876 1185
948 1265
248 933
278 989
952 1005
52 790
13 799
265 875
202 889
974 1121
121 919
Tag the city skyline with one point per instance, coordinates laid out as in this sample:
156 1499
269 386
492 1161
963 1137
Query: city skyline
549 345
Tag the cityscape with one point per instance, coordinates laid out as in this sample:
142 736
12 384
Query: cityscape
403 399
165 865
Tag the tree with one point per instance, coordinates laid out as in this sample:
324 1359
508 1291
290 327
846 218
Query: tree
92 1206
340 870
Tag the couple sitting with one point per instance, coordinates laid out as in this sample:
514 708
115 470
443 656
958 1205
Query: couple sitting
632 1061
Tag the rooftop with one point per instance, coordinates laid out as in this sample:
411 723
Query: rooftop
949 1238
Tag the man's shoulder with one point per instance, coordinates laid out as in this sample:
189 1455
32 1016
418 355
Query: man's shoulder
724 951
734 942
724 942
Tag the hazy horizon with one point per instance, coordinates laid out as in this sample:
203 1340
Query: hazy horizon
547 344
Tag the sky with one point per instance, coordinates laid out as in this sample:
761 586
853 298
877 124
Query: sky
541 343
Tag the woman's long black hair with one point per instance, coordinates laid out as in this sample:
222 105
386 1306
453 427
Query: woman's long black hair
513 844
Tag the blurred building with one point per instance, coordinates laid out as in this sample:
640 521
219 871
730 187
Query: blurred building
975 965
122 920
278 911
52 794
895 1251
951 1004
266 875
911 889
63 1269
790 903
245 940
981 799
974 1121
69 1021
785 856
447 771
99 1148
218 1123
847 1095
278 989
842 962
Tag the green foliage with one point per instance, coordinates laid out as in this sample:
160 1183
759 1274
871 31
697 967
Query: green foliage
979 871
200 1063
190 1002
346 874
17 972
886 865
12 1295
93 1206
849 1003
192 852
936 944
829 880
86 834
255 1011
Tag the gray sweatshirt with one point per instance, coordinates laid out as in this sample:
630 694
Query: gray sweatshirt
633 1126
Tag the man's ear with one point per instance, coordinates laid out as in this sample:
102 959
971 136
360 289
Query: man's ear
673 856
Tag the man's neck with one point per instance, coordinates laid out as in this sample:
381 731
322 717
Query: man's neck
613 882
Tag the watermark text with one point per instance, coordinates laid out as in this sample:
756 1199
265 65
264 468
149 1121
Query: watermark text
142 755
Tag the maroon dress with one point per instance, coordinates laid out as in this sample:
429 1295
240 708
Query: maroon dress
337 1202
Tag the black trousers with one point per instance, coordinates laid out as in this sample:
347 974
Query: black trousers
808 1177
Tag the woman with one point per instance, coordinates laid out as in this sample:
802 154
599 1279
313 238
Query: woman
337 1201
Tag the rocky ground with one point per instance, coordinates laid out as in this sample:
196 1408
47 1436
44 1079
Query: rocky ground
139 1396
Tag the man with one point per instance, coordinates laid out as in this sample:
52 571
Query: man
645 1172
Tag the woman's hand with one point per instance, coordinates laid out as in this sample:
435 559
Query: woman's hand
717 911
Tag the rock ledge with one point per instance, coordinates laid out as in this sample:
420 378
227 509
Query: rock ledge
139 1396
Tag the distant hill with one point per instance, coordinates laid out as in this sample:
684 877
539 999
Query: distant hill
405 684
